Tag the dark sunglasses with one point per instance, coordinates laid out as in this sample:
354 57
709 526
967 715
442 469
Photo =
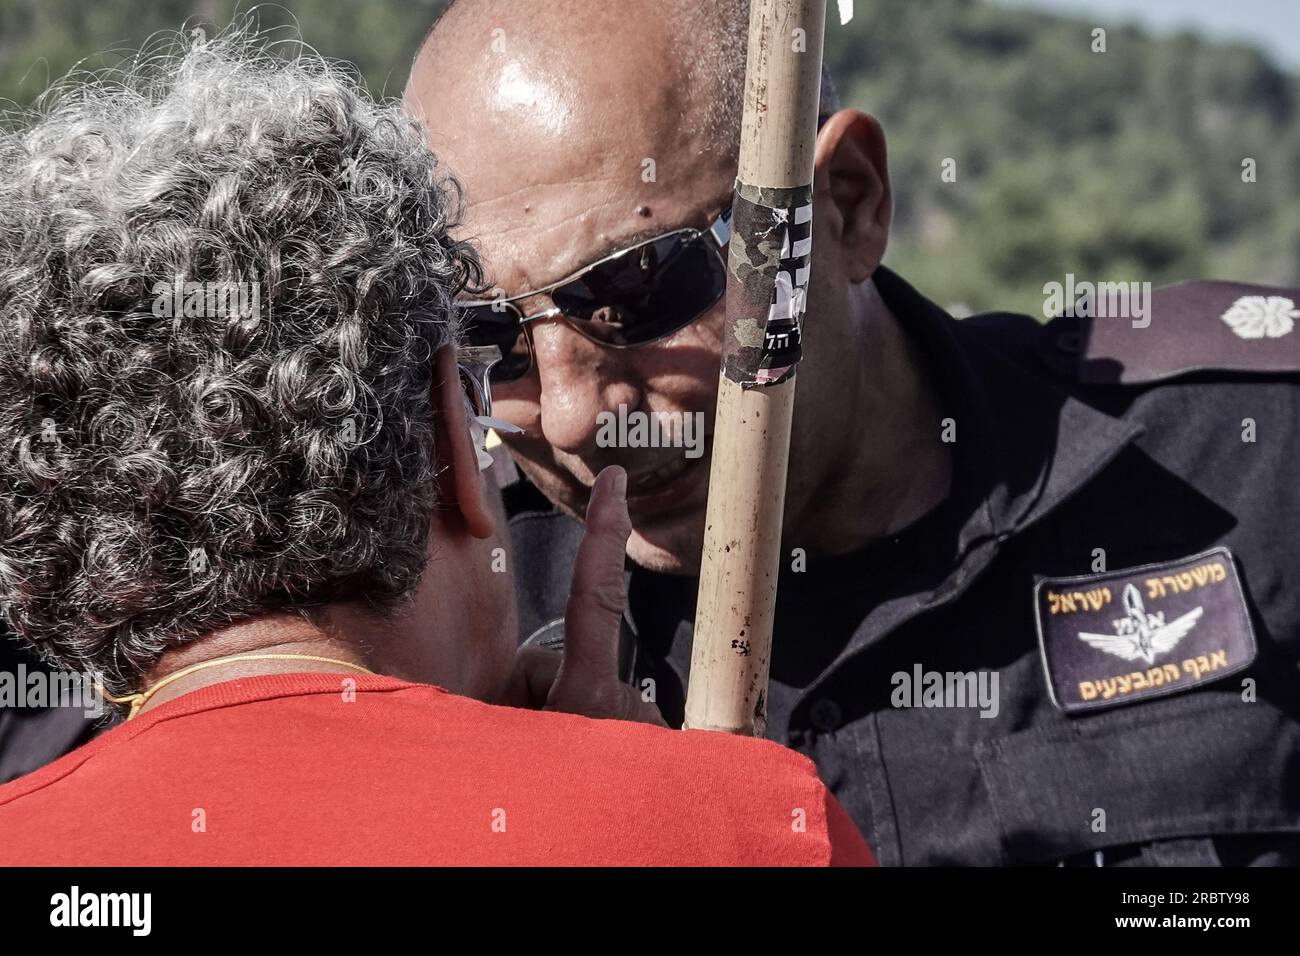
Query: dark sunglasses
633 297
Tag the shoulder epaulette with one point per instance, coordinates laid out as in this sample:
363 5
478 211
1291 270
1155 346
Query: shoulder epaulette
1189 327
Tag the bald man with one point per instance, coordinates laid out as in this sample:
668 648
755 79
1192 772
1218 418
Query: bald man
1040 600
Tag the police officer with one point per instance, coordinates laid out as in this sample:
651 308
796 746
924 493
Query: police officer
1040 596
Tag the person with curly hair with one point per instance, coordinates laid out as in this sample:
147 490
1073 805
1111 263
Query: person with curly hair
239 485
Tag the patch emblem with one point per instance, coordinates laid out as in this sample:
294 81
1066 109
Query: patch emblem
1124 636
1257 316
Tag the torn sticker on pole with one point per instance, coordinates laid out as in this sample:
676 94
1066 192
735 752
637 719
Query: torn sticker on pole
767 283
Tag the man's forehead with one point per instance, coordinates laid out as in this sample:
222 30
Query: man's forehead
568 145
539 232
538 72
520 126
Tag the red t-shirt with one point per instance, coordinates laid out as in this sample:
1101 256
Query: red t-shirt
356 770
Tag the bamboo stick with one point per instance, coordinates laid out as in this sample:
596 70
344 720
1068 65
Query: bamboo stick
771 227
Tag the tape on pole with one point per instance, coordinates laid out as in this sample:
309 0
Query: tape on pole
769 260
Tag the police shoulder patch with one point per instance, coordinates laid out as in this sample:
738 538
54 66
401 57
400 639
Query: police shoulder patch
1124 636
1190 327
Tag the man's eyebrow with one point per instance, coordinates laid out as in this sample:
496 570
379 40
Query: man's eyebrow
651 231
626 244
638 237
616 246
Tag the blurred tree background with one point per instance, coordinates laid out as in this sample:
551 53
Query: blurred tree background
1122 165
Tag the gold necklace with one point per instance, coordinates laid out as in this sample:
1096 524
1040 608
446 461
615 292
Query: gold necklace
139 700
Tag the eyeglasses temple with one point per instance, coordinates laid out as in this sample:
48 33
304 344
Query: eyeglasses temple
721 228
476 362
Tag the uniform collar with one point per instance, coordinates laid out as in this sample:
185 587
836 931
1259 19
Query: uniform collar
1024 446
1024 443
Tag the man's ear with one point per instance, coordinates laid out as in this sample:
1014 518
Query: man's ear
851 187
462 484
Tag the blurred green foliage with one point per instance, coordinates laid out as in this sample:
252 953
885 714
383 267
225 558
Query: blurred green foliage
1122 165
42 39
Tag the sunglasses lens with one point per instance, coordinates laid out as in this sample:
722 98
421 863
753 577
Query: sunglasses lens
500 326
650 291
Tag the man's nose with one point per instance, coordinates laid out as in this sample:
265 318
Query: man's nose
579 380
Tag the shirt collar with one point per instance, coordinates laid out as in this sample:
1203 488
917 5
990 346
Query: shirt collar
1023 445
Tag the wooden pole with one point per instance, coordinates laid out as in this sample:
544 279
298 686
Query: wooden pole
766 285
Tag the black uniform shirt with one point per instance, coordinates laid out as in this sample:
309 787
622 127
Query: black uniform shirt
1082 449
819 606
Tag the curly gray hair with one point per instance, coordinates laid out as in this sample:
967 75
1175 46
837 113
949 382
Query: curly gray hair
163 473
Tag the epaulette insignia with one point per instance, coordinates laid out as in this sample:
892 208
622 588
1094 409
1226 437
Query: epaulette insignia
1190 327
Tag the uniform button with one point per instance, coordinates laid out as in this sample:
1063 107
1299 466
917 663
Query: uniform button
825 715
